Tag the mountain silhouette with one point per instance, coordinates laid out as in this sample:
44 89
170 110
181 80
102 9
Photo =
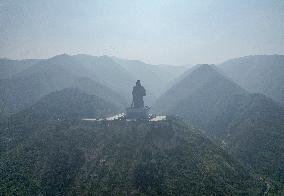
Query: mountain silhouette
69 103
258 74
249 126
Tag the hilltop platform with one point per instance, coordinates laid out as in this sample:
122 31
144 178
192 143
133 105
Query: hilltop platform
122 117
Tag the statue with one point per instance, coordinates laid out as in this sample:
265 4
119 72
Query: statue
138 93
137 109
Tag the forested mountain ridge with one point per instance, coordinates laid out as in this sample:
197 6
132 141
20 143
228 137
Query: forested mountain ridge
118 157
45 147
66 104
250 126
258 74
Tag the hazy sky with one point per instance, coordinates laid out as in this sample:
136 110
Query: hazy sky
155 31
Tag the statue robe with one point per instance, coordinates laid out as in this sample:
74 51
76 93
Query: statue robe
138 92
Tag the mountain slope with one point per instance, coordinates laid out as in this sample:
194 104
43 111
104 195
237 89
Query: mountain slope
244 123
106 71
70 103
40 77
155 78
259 74
28 86
8 67
94 88
120 158
198 96
24 90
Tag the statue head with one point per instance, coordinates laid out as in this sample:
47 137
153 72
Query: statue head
138 83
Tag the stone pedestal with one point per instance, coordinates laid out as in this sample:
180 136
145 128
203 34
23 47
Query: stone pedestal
137 113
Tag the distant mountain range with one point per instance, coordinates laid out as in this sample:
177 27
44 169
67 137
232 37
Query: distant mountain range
8 67
156 78
251 126
101 76
258 74
235 148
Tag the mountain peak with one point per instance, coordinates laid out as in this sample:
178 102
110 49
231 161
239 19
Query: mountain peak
204 68
203 82
64 55
79 105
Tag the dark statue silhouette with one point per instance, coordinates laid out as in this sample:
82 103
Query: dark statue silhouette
138 111
138 93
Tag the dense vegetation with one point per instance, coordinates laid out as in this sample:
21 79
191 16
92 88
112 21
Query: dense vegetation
45 148
118 158
70 103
